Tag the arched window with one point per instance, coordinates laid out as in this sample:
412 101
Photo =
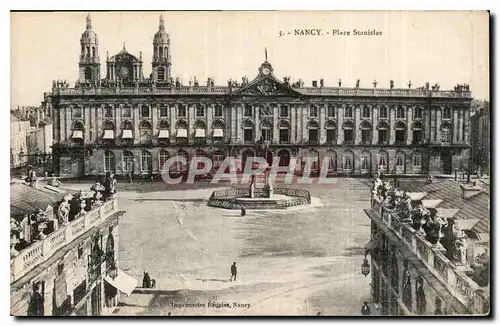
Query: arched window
348 128
366 113
330 111
284 130
313 128
218 129
400 112
383 162
109 162
331 161
110 249
160 52
93 51
128 162
163 157
418 113
365 161
78 129
400 128
348 161
383 112
445 133
383 132
248 127
400 162
348 112
88 73
331 132
165 52
108 112
146 161
145 132
446 113
417 132
161 73
200 129
88 51
366 132
266 130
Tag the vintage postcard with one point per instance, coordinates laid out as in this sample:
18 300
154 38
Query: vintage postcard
286 163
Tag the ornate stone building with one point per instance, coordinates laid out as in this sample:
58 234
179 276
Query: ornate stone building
131 124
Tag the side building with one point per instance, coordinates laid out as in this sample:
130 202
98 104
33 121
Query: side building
429 250
128 124
64 254
481 135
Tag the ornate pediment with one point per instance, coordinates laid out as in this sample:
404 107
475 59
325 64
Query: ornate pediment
265 86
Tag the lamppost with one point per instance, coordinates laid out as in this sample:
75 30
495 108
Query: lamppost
365 267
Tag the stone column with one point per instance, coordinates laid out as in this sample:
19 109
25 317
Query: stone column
467 126
298 123
456 130
374 124
439 120
190 119
135 114
392 121
171 115
340 135
322 119
118 120
275 124
409 119
304 120
257 122
293 124
357 121
67 123
232 113
98 122
210 114
88 124
154 121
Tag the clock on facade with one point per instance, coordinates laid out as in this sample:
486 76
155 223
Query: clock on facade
124 72
266 71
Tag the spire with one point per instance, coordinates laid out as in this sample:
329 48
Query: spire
89 22
124 49
265 49
162 23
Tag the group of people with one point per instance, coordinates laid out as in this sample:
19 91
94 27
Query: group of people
148 282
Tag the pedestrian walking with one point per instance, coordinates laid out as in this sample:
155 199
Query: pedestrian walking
243 211
233 272
365 310
153 283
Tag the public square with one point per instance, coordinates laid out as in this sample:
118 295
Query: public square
299 261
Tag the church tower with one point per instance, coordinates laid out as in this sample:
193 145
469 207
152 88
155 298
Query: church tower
161 55
90 67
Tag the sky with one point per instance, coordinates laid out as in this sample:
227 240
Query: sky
447 47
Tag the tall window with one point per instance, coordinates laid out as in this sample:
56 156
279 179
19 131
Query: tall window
284 111
348 161
348 112
200 111
313 128
160 52
267 131
400 162
366 111
163 111
400 132
417 113
332 160
248 110
365 162
161 73
108 112
88 73
446 134
128 162
366 132
163 158
330 111
348 128
77 112
145 111
145 131
284 130
181 111
109 162
248 128
417 132
383 132
218 111
217 159
400 112
146 161
446 113
383 161
416 161
313 111
127 112
383 112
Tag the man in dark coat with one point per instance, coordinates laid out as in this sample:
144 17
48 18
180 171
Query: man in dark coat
243 211
233 272
36 303
365 310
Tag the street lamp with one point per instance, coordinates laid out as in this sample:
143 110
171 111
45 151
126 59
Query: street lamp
365 267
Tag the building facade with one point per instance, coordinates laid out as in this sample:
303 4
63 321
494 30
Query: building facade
127 123
420 256
19 130
62 268
481 148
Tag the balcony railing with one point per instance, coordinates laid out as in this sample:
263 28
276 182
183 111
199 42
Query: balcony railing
41 251
456 281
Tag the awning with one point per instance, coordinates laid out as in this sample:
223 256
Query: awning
416 195
182 133
77 134
373 243
163 133
218 133
447 212
109 134
122 282
199 133
127 134
431 203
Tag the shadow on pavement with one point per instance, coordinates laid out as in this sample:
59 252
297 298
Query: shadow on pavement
211 280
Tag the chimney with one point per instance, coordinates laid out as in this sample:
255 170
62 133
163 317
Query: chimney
469 191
